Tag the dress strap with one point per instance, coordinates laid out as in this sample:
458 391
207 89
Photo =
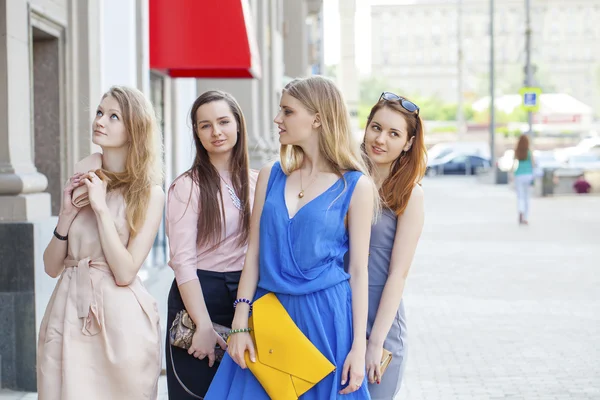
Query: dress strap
276 172
350 180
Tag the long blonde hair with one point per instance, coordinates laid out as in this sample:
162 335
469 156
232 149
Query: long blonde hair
336 143
144 167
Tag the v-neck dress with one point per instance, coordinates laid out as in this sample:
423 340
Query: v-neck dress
301 260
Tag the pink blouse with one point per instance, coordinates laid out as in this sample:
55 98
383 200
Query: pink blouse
182 230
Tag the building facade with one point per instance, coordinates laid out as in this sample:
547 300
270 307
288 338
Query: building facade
57 58
415 46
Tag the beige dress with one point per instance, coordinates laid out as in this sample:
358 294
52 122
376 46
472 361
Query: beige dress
98 340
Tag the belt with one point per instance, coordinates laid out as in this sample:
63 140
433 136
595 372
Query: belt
87 301
89 298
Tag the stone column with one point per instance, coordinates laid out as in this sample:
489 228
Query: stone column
26 223
295 38
21 201
348 76
20 183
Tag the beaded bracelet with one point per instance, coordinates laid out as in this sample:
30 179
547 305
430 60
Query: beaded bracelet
242 300
243 330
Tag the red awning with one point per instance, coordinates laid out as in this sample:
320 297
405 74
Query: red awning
203 39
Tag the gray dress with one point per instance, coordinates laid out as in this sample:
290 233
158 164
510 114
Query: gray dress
380 252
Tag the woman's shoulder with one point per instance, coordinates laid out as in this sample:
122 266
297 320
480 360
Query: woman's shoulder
183 179
265 170
183 185
91 162
354 173
253 176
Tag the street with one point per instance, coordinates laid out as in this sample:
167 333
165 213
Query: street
502 311
495 310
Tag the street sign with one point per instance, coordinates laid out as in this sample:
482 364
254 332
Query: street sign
530 98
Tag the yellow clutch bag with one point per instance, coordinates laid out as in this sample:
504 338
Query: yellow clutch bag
287 363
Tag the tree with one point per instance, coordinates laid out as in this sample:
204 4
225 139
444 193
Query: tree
371 89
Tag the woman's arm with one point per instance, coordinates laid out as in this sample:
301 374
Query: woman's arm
240 342
182 230
360 215
124 262
56 252
408 231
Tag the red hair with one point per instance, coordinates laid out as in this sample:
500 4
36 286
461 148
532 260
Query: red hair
409 168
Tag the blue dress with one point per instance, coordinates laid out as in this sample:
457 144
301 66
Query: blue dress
302 261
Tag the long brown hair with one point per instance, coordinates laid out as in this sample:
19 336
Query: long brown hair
143 167
320 95
522 148
206 176
409 168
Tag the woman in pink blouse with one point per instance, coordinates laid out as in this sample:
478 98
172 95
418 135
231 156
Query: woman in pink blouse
208 219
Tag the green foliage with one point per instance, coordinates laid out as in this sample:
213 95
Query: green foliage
371 89
443 129
503 130
432 109
517 115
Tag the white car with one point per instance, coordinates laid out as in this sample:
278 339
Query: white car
589 144
585 161
440 150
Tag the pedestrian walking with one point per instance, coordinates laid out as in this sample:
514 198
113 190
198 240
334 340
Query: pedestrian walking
523 177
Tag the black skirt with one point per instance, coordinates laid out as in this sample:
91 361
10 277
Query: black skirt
219 290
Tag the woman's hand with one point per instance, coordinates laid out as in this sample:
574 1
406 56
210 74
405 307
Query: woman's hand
67 208
96 191
204 342
238 344
353 371
373 360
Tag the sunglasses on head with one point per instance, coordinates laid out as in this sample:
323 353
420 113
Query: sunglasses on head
406 104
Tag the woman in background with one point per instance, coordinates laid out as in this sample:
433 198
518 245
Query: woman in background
523 177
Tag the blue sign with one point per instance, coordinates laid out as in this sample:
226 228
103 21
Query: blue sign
530 99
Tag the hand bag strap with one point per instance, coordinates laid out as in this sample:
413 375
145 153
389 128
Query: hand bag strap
179 380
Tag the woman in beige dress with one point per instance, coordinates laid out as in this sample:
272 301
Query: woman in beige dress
100 336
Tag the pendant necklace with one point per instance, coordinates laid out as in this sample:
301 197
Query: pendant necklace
301 194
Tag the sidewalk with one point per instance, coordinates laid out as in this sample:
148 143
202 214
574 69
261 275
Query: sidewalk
158 284
496 311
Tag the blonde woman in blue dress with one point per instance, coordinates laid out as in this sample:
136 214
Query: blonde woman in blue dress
298 239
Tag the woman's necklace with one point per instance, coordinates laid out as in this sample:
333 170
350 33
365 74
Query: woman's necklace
234 198
301 194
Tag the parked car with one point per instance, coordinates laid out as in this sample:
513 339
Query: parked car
442 150
458 164
587 145
584 161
